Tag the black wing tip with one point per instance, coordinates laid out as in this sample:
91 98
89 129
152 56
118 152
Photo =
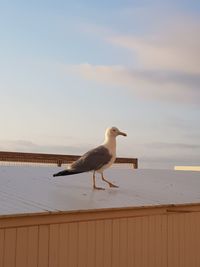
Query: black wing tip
60 173
66 172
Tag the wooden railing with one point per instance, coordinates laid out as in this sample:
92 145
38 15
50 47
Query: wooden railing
58 159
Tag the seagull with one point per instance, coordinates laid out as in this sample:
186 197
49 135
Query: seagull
97 159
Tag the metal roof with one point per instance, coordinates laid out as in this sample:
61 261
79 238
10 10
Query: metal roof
29 190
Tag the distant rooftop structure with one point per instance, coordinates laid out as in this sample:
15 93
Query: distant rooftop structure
187 168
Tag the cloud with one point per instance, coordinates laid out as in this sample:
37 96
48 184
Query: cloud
167 155
185 127
166 162
175 48
163 145
171 42
28 146
163 85
165 60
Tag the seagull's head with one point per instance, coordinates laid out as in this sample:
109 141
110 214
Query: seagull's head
114 132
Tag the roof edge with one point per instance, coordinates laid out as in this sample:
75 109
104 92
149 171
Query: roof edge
25 220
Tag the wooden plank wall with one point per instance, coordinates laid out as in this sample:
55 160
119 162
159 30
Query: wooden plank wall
171 240
184 239
102 243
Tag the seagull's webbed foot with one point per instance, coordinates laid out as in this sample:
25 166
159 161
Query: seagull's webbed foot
98 188
110 184
113 185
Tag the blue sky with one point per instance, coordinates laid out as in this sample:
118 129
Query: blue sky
68 70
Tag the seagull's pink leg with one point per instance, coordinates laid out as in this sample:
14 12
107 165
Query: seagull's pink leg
94 184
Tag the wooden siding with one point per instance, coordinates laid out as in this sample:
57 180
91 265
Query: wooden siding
58 159
184 239
171 239
86 244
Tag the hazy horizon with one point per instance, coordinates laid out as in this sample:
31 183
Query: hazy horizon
69 70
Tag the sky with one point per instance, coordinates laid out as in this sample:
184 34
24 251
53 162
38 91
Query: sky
69 70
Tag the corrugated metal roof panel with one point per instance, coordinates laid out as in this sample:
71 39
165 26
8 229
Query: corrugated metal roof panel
26 189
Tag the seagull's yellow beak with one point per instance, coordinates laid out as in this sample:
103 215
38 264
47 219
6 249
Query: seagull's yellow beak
121 133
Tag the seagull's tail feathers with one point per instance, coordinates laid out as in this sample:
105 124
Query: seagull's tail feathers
66 172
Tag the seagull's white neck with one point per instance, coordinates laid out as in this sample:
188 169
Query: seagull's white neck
110 144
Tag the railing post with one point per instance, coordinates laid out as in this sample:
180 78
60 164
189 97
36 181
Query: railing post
59 163
136 164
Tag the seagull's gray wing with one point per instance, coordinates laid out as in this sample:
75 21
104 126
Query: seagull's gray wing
92 160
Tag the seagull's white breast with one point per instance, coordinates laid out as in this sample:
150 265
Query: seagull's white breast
111 146
108 164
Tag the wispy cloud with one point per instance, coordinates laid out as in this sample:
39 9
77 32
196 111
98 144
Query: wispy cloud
28 146
167 162
162 85
167 155
164 145
165 61
174 47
